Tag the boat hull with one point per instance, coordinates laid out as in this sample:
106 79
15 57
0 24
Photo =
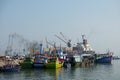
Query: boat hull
28 63
38 65
104 60
11 69
53 65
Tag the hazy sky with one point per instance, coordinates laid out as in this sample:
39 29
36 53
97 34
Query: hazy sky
99 20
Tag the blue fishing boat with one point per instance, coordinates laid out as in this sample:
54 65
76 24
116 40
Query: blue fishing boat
40 61
11 68
103 58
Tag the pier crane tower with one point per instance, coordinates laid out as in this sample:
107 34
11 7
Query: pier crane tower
65 40
50 43
15 44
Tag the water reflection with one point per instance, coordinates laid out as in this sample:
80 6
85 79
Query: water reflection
9 75
42 74
98 72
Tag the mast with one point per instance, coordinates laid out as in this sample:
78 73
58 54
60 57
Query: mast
84 42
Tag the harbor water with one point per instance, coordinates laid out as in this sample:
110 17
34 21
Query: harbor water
97 72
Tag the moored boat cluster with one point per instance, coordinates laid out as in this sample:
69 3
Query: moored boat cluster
80 55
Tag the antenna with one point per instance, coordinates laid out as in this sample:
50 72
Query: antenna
83 37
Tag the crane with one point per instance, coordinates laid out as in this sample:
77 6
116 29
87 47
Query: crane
65 40
63 36
54 44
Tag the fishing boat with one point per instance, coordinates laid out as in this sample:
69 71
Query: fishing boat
70 60
116 58
81 52
40 61
28 63
103 58
54 63
10 66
